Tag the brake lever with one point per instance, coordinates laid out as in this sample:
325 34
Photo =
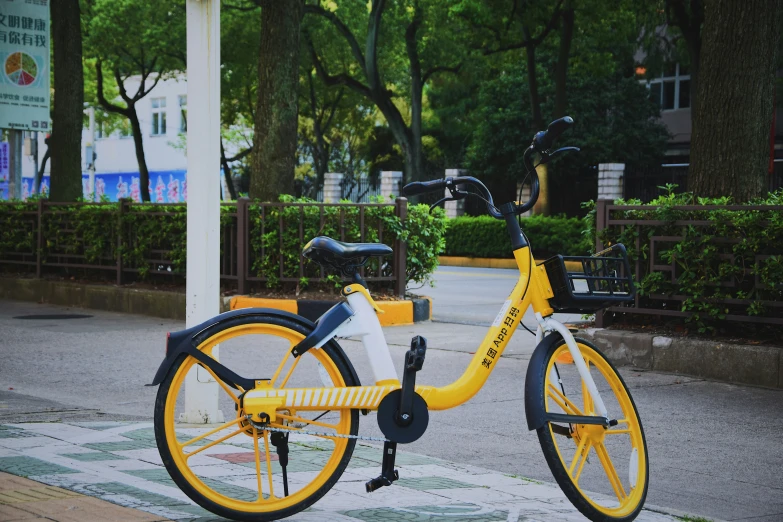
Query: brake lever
441 200
456 195
547 156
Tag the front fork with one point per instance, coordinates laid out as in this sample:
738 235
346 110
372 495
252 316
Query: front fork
547 325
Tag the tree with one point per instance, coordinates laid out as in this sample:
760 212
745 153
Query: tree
546 37
730 136
66 140
404 46
238 88
140 40
276 118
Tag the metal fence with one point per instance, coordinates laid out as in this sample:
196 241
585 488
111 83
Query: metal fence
615 216
50 243
361 190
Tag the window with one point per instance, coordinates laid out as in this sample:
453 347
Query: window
672 90
158 116
183 113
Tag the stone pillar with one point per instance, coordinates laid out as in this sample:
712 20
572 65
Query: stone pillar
454 208
390 183
333 190
524 197
610 180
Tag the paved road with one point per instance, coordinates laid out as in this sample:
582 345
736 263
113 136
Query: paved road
474 295
714 448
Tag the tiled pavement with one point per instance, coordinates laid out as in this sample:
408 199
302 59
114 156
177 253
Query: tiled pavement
119 463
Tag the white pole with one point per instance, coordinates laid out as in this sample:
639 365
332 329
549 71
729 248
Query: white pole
203 233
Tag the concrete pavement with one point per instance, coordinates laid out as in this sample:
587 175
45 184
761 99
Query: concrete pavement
474 295
118 462
714 448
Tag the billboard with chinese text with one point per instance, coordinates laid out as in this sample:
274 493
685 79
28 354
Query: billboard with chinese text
24 58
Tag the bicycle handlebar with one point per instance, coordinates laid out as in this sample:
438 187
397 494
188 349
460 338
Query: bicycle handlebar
541 143
421 187
543 140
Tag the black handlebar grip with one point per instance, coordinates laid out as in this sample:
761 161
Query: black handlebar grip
420 187
544 140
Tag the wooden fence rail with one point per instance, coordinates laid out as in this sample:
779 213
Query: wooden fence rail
610 216
50 241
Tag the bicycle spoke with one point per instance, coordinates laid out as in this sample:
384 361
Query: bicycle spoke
611 473
582 463
616 432
268 465
282 364
563 401
218 441
290 371
224 385
211 432
258 465
579 451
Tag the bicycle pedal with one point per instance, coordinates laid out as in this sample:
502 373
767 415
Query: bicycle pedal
414 358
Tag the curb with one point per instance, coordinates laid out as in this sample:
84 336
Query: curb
735 363
395 312
155 303
493 262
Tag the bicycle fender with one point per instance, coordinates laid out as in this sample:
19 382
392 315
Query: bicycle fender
534 381
187 341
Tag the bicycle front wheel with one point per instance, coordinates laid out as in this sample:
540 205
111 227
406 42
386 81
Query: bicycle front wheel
602 471
234 469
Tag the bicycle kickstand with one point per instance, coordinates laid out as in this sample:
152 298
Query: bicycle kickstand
388 473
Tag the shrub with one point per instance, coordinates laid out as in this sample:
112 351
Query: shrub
725 261
153 237
485 236
422 232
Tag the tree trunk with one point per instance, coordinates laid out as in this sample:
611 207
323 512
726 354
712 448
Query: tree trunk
144 173
730 139
415 161
227 173
274 151
561 69
532 80
66 177
42 168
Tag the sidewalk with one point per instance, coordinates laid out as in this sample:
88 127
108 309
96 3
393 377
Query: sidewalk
81 465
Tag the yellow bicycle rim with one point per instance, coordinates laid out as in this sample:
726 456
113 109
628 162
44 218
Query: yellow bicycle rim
589 441
270 498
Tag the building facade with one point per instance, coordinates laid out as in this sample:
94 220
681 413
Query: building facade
109 154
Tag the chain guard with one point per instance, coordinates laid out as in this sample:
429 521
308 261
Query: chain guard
387 415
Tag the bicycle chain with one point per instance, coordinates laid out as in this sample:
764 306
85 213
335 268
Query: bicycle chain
316 433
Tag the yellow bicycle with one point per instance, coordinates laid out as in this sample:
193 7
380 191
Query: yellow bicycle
295 420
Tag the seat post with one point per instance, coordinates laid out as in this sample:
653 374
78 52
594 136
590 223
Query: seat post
357 278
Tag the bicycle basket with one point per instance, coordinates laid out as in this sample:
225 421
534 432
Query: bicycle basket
605 280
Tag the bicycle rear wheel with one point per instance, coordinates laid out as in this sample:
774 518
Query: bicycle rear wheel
232 468
603 471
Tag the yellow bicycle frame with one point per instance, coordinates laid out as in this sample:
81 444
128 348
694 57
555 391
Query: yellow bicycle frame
532 288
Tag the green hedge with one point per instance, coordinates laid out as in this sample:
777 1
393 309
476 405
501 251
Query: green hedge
152 232
485 236
423 234
728 255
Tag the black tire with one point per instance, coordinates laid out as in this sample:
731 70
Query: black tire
335 355
555 444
